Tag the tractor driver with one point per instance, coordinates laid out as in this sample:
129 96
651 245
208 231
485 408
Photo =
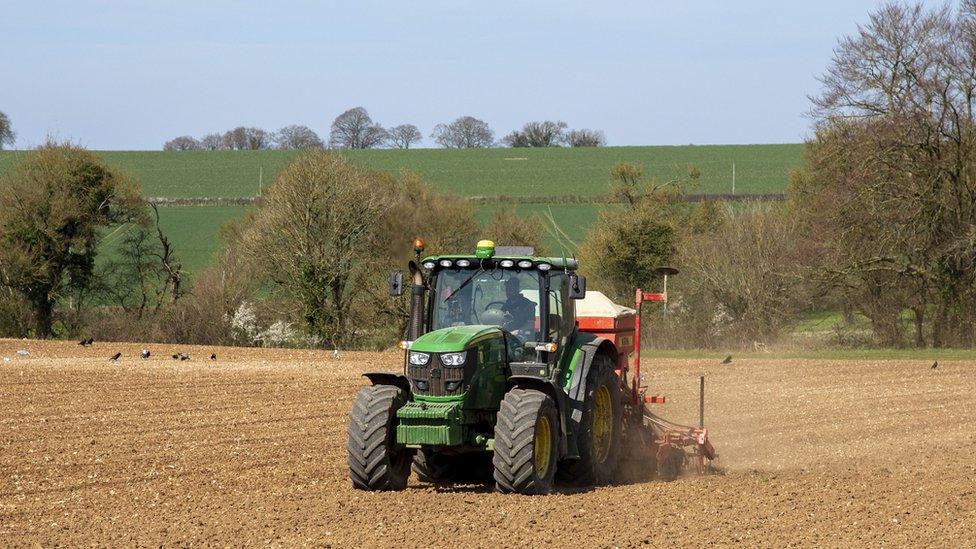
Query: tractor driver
519 308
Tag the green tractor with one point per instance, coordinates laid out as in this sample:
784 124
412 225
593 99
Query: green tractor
502 380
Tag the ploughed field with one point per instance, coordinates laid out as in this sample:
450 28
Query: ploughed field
250 448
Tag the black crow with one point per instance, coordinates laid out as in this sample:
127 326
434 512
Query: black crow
935 364
116 356
213 356
176 357
145 353
728 360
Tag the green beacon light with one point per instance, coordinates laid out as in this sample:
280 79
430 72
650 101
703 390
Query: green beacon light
485 249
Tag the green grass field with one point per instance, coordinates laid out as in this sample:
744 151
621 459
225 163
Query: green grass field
538 173
472 172
192 230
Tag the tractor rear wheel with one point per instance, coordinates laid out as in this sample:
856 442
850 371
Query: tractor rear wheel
376 461
434 467
601 428
526 442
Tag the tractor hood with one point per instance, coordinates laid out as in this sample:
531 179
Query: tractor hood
456 338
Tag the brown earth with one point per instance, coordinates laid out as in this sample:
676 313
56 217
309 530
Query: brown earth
250 449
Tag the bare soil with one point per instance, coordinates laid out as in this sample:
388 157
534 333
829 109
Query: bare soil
250 449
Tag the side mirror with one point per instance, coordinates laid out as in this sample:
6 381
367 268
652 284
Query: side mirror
396 283
577 286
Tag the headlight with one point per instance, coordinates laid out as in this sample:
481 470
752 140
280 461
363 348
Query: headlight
419 359
507 263
429 265
463 263
453 359
524 264
544 266
445 263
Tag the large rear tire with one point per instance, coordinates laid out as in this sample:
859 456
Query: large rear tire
376 461
526 443
601 429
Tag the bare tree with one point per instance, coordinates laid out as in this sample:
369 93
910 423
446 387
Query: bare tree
585 138
296 137
516 139
246 139
313 237
404 135
742 281
212 142
145 274
7 135
182 143
354 129
466 132
545 133
891 187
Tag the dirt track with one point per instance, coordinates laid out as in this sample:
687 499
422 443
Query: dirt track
250 449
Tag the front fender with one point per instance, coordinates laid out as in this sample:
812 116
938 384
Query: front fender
387 378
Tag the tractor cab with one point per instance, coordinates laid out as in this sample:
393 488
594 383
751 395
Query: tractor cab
529 298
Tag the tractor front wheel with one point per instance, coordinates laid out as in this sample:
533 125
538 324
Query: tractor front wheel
526 440
376 461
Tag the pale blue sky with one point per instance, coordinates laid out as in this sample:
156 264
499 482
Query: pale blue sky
130 75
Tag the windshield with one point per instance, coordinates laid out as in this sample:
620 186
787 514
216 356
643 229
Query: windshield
501 297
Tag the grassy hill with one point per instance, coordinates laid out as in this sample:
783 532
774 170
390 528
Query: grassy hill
472 172
537 173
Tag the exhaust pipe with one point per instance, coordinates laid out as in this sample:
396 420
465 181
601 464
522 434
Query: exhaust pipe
418 298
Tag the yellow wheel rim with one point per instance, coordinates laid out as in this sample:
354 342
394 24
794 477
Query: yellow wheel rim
543 447
602 423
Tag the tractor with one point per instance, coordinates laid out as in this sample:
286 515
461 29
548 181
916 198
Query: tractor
513 372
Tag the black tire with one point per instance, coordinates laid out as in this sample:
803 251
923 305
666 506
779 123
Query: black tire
434 467
525 417
376 461
592 468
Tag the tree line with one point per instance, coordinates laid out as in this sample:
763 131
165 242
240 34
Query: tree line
355 129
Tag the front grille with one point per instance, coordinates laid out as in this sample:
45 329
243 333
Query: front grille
436 379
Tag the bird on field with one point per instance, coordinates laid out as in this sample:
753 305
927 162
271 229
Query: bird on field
86 342
935 364
728 360
145 354
335 354
23 352
115 357
213 356
176 357
184 356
